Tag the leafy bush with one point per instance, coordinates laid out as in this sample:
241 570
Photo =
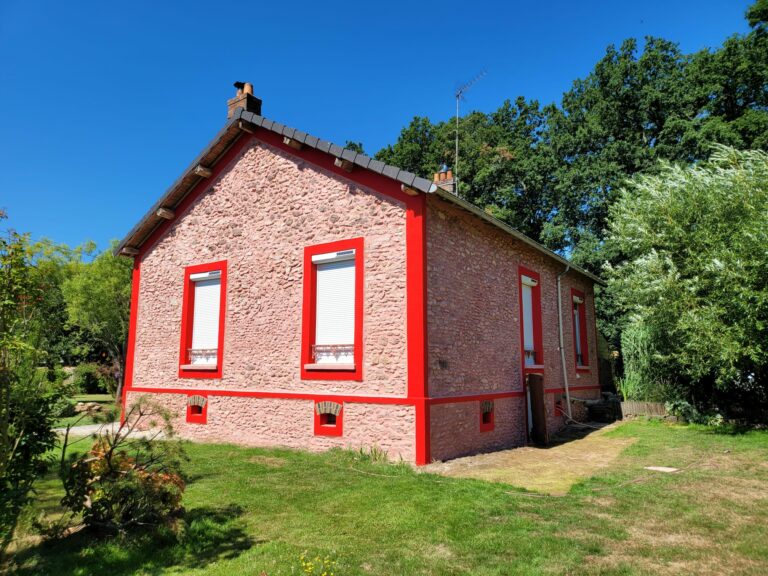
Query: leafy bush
124 482
689 246
89 378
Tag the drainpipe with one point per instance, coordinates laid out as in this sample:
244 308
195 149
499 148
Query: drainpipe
562 347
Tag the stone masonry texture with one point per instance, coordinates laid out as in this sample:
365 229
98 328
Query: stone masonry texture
259 215
474 329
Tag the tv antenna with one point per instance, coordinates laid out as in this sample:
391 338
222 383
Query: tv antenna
460 91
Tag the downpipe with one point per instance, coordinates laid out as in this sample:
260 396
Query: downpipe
562 347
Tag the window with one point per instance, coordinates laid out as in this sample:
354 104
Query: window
328 418
486 416
333 311
530 304
202 322
579 329
197 409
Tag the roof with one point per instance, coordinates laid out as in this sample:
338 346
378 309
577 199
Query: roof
242 120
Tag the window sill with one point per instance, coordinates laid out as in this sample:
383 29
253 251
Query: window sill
583 369
331 367
538 367
200 367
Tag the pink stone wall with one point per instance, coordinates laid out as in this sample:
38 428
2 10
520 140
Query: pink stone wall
259 215
456 432
290 423
474 318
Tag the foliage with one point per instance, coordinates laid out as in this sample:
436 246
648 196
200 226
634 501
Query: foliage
89 378
641 381
690 246
26 398
97 298
554 171
126 482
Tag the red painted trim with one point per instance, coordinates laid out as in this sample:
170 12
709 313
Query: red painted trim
201 418
187 320
487 426
131 349
323 429
538 339
418 348
582 331
476 397
570 389
309 310
279 395
415 251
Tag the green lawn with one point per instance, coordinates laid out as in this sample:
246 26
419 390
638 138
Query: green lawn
253 510
105 400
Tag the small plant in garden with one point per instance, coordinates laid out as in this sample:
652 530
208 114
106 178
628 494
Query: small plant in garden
125 482
317 566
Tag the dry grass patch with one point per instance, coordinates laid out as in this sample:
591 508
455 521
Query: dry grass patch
553 470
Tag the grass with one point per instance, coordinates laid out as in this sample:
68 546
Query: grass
254 510
106 400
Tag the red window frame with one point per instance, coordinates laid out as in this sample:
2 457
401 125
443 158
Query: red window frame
489 425
324 429
582 331
187 321
309 371
195 417
538 338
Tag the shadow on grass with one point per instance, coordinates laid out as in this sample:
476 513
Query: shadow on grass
211 535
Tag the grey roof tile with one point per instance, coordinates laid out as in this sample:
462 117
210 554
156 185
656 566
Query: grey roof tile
391 171
348 154
376 166
336 150
324 145
311 141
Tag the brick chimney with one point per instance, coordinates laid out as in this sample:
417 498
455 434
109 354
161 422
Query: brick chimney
444 179
244 99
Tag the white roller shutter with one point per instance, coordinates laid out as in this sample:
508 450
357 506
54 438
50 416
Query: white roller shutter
528 342
577 332
205 327
335 312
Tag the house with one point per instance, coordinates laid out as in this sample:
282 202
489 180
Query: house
287 291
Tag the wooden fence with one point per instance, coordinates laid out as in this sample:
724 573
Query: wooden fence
632 408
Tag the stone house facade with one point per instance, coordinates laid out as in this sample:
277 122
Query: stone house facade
289 292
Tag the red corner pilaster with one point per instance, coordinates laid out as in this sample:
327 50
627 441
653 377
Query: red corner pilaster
416 266
129 354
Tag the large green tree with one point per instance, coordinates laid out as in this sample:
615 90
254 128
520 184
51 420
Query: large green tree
26 402
97 297
554 172
691 252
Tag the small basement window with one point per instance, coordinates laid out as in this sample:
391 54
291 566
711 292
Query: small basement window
197 409
486 416
328 418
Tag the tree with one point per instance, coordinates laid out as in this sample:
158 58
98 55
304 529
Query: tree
97 298
26 403
690 248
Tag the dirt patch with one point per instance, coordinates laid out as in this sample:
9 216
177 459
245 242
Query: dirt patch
551 470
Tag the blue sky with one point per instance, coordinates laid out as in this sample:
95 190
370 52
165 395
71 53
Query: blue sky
103 104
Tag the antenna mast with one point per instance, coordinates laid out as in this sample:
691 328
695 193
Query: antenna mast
460 91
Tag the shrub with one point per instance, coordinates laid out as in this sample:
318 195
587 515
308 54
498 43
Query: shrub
89 378
123 482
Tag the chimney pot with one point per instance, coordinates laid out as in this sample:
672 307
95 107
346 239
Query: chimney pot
436 177
248 88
